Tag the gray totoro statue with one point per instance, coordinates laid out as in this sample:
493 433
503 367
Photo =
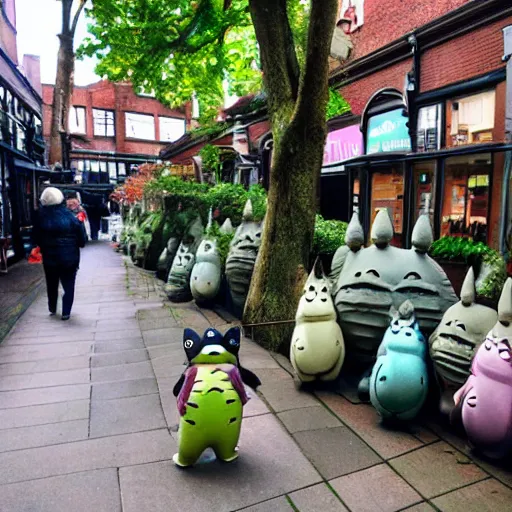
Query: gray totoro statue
368 281
242 256
166 258
453 344
178 287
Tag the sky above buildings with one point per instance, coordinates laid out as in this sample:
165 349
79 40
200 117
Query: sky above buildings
38 23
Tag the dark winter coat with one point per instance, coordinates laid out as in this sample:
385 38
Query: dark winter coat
60 235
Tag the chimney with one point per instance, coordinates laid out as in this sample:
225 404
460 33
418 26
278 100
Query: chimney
10 10
32 68
8 29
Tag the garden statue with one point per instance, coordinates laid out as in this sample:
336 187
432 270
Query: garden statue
206 275
166 258
211 395
241 258
178 282
484 403
372 279
317 350
453 344
399 379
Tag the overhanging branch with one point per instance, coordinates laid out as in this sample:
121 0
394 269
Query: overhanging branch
79 10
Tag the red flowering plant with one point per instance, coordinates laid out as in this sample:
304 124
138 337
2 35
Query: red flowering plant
133 189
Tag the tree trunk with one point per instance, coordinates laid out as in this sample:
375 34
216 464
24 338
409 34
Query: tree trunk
299 130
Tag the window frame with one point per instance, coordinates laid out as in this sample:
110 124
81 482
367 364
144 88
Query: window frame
72 110
160 118
105 124
129 136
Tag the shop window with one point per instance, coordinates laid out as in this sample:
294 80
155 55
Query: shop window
424 189
112 170
77 120
356 194
171 129
103 123
121 168
466 197
429 128
472 119
388 193
140 126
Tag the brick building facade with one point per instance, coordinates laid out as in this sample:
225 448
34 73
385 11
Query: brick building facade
113 129
426 83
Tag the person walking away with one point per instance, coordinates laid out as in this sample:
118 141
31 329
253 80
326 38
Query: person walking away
60 235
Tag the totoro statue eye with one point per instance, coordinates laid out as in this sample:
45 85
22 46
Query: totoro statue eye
311 288
460 326
207 247
488 344
258 234
188 344
324 289
413 276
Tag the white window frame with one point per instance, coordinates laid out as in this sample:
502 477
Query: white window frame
140 126
108 123
77 120
175 128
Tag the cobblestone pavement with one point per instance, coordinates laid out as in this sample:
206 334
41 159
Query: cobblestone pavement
88 422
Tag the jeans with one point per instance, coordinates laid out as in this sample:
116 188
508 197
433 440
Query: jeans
67 278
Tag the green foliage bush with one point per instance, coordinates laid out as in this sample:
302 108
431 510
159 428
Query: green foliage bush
329 236
223 240
488 263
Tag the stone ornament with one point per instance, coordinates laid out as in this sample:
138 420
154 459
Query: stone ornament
178 283
368 281
453 344
166 258
484 402
399 379
211 395
317 350
242 256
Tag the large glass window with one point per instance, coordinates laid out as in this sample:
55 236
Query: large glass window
466 196
429 128
77 120
104 125
388 193
171 128
140 126
424 189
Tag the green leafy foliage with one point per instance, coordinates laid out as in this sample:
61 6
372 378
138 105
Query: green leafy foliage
337 105
329 236
223 240
489 264
210 156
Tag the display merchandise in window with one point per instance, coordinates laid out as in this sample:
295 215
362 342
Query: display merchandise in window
424 174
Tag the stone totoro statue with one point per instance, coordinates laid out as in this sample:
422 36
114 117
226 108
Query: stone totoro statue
178 285
317 350
452 345
484 402
370 280
241 258
166 258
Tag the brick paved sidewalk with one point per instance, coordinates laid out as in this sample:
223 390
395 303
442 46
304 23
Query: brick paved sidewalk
88 422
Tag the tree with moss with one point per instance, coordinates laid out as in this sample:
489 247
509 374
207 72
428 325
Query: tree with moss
179 47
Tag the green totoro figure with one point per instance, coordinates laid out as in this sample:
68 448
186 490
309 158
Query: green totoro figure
211 395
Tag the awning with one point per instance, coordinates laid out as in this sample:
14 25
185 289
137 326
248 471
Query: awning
337 169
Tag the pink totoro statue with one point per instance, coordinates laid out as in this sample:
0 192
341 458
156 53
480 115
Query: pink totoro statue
484 403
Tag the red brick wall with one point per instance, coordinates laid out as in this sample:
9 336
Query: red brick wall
465 57
120 98
358 93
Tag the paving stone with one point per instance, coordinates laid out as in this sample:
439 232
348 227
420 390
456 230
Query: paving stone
36 339
105 452
282 395
276 505
41 380
43 435
107 325
309 418
168 335
124 389
151 324
167 355
49 365
126 415
437 469
96 491
159 312
319 497
255 406
487 496
26 397
118 335
132 371
168 401
365 421
420 507
336 451
102 347
388 493
284 362
25 353
118 358
42 414
259 474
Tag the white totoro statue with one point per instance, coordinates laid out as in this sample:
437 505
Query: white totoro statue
317 350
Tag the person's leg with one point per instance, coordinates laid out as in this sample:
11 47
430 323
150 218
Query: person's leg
67 278
52 287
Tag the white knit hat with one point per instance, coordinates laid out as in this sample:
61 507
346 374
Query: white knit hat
51 196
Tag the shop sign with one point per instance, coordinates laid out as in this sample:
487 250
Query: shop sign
343 144
388 132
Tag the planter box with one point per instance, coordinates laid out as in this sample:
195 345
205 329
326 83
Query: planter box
456 272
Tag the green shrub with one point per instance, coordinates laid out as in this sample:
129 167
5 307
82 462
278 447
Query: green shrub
489 265
329 236
223 240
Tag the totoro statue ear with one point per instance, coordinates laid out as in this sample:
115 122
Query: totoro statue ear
233 334
467 292
354 236
382 229
422 236
190 334
505 303
318 268
393 313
